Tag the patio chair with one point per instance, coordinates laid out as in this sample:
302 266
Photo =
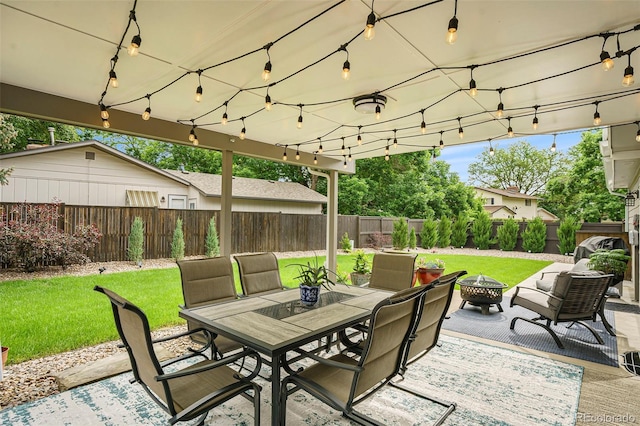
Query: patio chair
574 297
188 393
392 271
340 381
259 273
205 282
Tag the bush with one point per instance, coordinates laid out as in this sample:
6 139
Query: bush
444 232
534 237
400 235
31 238
507 234
177 244
481 229
211 242
429 234
412 239
460 231
345 244
378 240
136 241
567 235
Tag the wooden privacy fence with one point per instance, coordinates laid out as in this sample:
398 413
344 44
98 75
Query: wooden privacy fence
251 231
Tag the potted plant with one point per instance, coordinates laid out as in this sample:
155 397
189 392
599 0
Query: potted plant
610 262
361 269
311 277
429 270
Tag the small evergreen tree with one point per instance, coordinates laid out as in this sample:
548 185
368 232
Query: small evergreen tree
211 242
444 232
412 239
177 244
136 241
534 237
400 235
429 234
481 229
460 230
507 234
345 244
567 235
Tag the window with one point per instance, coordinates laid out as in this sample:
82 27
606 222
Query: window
489 201
527 203
177 201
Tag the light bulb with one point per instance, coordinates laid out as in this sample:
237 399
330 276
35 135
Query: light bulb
146 114
284 156
267 103
423 128
105 123
195 142
378 112
510 132
628 77
299 125
359 140
596 119
320 149
113 79
607 62
473 90
638 136
386 157
500 111
192 135
369 31
534 123
553 147
243 132
132 50
491 152
315 159
395 143
441 143
349 158
225 119
198 96
346 70
461 133
386 149
344 165
266 72
103 112
452 32
297 155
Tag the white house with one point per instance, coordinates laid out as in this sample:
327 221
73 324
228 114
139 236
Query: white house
510 202
91 173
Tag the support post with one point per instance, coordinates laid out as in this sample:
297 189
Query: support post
225 203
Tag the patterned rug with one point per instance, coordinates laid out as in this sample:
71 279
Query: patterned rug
577 340
490 385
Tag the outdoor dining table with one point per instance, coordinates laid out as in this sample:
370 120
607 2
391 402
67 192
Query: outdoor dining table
276 323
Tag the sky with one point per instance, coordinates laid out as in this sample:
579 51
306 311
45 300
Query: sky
460 156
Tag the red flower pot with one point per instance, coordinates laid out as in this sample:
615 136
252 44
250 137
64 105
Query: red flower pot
426 275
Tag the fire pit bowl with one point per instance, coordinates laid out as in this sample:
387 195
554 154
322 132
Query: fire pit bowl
483 291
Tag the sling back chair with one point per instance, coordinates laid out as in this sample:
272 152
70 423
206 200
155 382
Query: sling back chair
188 393
259 273
205 282
392 271
341 381
574 297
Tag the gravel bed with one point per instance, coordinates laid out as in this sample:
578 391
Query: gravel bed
32 380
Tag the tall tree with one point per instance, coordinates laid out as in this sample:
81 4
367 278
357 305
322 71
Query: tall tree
581 191
521 165
36 131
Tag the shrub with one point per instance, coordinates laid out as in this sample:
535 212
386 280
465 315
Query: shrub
378 240
362 264
444 232
136 241
534 237
429 234
460 231
567 235
211 243
412 239
400 235
345 244
177 244
507 234
481 229
31 238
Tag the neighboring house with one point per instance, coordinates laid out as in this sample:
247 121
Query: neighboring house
94 174
510 202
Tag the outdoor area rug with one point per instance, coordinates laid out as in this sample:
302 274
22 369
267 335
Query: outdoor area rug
577 340
490 385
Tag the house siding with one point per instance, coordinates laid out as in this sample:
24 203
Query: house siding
518 205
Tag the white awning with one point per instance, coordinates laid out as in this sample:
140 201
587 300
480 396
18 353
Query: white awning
137 198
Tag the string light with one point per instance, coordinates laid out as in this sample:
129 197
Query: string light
225 116
423 125
344 165
509 129
553 145
605 58
433 153
267 101
284 155
315 159
343 148
500 109
491 151
460 131
596 115
136 41
113 79
441 141
452 30
638 133
104 114
627 80
369 31
299 125
320 146
534 123
198 96
266 72
395 140
243 132
349 157
359 136
297 152
386 148
147 112
346 67
473 90
105 123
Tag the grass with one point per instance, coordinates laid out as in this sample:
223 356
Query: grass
47 316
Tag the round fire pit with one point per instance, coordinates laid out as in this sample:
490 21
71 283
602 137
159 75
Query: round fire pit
483 291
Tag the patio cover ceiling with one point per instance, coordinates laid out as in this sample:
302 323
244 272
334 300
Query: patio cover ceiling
55 61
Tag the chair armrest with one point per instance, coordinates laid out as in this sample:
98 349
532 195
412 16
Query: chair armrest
215 364
548 272
546 293
329 362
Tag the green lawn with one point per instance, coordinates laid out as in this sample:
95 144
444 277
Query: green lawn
46 316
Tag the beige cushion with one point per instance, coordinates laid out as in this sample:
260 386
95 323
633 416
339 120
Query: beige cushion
561 283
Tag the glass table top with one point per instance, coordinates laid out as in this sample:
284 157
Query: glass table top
295 307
